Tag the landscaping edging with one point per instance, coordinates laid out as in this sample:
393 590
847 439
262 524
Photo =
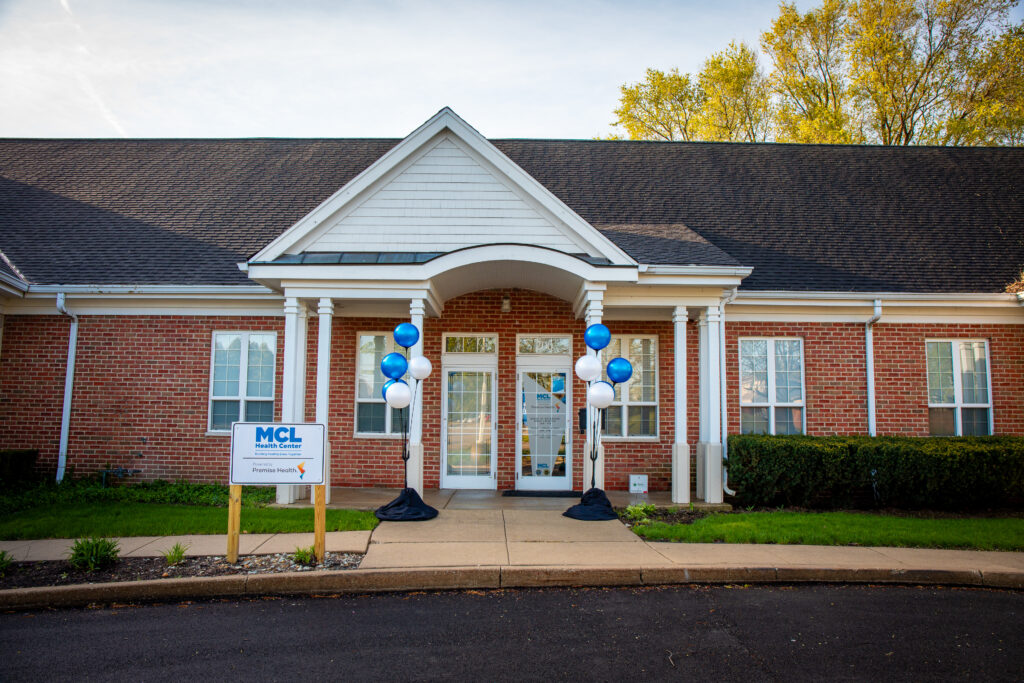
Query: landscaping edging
387 580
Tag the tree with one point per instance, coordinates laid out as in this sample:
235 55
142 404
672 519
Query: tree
892 72
663 107
911 60
736 105
810 77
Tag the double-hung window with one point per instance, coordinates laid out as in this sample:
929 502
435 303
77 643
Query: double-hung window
634 412
373 416
241 378
959 396
772 386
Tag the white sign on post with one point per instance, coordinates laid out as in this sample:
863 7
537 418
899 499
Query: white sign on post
276 453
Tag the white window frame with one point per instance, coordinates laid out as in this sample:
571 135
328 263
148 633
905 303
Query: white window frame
624 403
535 355
771 404
243 379
958 382
389 347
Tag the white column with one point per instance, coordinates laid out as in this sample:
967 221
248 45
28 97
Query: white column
417 310
323 382
594 313
709 449
680 447
285 493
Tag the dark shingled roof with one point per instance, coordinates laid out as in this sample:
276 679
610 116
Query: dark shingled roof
805 217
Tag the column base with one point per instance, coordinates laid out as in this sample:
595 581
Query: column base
288 493
709 471
681 473
416 467
587 466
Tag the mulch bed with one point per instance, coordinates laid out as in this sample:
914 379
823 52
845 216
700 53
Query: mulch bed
60 573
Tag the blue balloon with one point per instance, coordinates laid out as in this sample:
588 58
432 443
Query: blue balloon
406 335
619 370
384 389
597 336
394 365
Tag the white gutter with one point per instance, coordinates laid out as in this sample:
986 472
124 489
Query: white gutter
869 360
727 299
69 383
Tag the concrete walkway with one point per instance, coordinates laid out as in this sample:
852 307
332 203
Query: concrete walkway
514 538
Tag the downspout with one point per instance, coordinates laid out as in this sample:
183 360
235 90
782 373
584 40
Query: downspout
69 383
869 361
727 299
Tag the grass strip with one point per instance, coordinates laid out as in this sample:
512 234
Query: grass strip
151 519
843 528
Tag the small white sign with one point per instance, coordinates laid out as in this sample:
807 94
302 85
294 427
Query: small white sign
638 483
276 453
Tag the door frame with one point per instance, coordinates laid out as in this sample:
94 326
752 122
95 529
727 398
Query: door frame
544 363
470 363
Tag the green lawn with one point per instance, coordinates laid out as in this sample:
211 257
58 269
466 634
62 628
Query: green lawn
843 528
75 520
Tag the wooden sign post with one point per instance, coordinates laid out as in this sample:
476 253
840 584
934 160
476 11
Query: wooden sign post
319 522
234 521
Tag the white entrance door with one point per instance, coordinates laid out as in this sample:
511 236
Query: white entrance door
469 438
544 434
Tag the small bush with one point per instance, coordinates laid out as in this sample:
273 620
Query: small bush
175 554
639 511
5 562
859 471
304 556
91 554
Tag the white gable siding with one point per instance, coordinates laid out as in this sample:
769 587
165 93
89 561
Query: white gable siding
445 200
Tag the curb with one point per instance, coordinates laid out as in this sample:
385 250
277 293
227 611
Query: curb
440 578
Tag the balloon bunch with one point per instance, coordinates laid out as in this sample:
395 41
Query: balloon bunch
396 392
600 393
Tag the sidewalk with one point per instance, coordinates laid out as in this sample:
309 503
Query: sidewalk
521 548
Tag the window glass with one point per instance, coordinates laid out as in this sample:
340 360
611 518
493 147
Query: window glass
634 410
370 380
470 344
788 371
643 420
974 421
942 421
789 421
222 414
754 371
544 345
974 372
641 357
260 374
940 372
227 359
259 411
754 420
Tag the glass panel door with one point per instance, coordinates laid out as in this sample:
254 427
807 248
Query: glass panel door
544 448
469 438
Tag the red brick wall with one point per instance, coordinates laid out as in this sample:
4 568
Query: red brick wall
834 373
148 377
136 377
901 380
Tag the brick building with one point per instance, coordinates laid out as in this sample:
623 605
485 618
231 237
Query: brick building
155 291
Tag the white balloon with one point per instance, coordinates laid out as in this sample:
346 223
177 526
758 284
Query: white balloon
588 368
420 367
398 396
599 395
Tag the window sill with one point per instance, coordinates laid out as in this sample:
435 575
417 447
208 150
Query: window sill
210 432
375 435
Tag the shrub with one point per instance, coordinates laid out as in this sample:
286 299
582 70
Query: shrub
304 556
91 554
5 562
859 471
175 554
639 511
17 465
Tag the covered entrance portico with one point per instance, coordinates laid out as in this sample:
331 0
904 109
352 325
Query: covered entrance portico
501 278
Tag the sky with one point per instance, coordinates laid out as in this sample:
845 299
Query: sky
340 68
